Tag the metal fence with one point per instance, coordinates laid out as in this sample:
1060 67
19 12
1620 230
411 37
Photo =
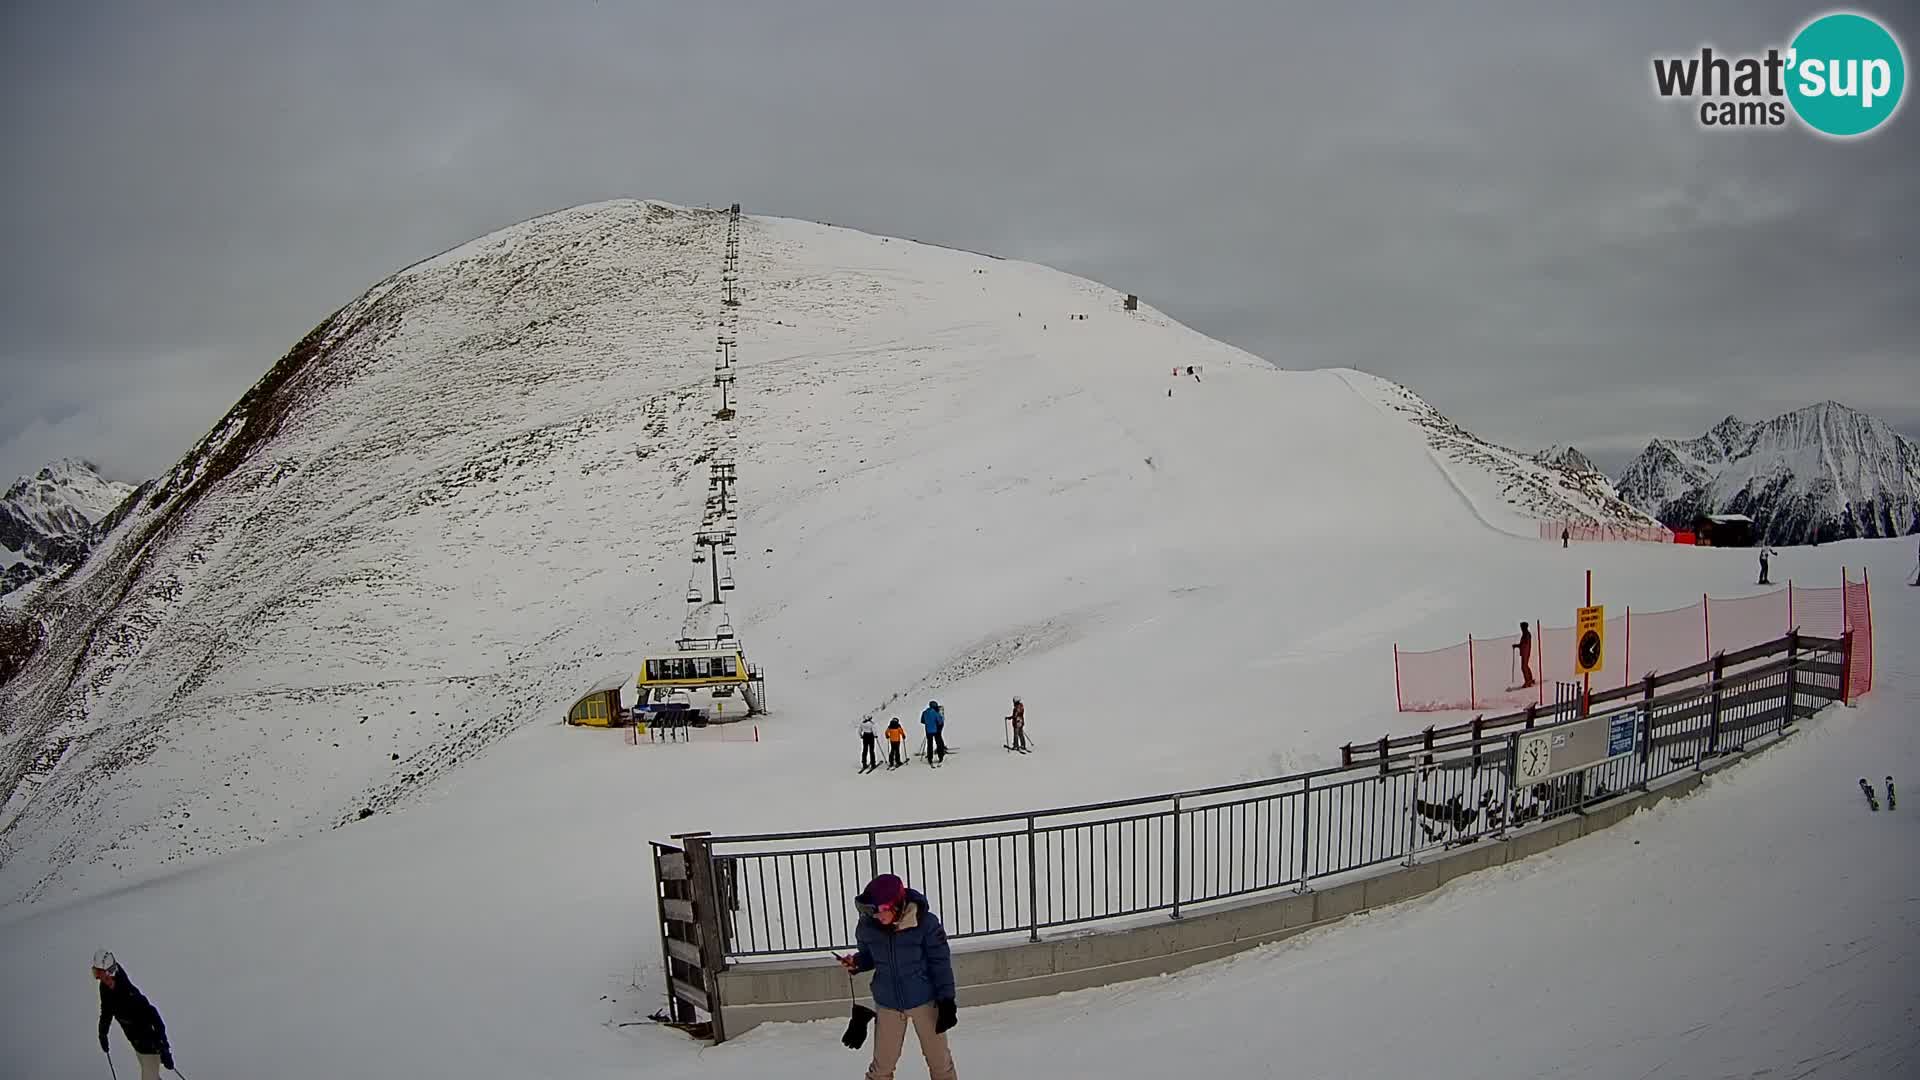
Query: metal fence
790 893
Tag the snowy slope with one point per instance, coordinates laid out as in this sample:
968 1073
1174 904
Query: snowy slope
469 494
47 520
1824 472
1510 490
498 929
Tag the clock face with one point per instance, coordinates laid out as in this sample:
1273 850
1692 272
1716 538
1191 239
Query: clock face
1589 651
1533 758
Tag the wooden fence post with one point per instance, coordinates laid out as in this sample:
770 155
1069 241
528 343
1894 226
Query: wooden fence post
1713 716
1793 679
706 910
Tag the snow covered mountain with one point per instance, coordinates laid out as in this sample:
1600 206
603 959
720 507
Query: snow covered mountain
1566 457
468 494
1825 472
1555 485
47 520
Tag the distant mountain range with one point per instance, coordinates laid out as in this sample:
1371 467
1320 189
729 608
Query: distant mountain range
48 520
1825 472
1568 458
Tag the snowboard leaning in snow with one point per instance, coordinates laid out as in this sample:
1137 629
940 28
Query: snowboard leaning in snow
1867 789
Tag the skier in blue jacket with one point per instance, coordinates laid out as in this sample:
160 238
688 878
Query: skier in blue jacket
934 719
903 944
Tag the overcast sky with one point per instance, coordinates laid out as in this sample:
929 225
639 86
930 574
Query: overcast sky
1488 204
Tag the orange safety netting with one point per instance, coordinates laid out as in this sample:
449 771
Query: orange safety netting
1486 673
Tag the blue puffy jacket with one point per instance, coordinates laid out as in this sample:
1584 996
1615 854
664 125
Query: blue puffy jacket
910 961
932 719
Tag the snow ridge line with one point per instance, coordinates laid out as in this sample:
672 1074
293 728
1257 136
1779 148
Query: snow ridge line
1433 455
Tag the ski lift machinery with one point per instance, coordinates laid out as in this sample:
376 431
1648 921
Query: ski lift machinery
717 665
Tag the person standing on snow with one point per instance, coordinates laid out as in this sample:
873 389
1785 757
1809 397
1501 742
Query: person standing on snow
934 719
1525 646
902 942
896 735
1019 718
121 1000
1766 552
869 745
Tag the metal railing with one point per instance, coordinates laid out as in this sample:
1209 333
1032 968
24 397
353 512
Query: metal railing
790 893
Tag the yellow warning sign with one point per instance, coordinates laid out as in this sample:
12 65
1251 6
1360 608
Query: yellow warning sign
1590 639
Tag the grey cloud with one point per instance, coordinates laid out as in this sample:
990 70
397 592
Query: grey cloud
1487 203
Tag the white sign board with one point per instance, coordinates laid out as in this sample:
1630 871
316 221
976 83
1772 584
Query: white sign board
1541 755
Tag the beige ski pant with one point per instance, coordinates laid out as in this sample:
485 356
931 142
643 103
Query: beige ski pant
890 1034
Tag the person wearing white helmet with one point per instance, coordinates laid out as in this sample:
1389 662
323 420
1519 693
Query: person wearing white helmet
121 1000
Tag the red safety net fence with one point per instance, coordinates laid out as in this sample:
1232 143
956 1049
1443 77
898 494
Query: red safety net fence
1487 673
1593 531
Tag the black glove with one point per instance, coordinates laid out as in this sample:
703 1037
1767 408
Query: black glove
103 1043
166 1060
856 1035
948 1017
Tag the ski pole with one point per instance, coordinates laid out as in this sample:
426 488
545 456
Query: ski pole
115 1073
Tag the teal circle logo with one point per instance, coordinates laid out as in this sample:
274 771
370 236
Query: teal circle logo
1846 74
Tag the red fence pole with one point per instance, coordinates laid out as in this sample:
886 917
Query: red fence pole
1626 666
1706 623
1866 594
1471 682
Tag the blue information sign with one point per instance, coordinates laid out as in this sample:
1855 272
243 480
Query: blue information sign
1620 733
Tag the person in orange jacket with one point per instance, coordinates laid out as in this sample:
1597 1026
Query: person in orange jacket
895 736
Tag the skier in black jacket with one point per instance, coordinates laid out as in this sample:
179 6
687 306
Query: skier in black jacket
121 1000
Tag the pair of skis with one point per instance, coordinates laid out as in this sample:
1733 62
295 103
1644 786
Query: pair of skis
1872 800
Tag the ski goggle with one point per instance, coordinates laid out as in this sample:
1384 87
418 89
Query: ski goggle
873 910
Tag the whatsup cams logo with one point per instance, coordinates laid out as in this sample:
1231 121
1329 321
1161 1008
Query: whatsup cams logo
1842 75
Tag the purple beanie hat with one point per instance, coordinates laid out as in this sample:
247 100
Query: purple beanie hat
883 890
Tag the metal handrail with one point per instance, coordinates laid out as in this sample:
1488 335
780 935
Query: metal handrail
1417 747
783 893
